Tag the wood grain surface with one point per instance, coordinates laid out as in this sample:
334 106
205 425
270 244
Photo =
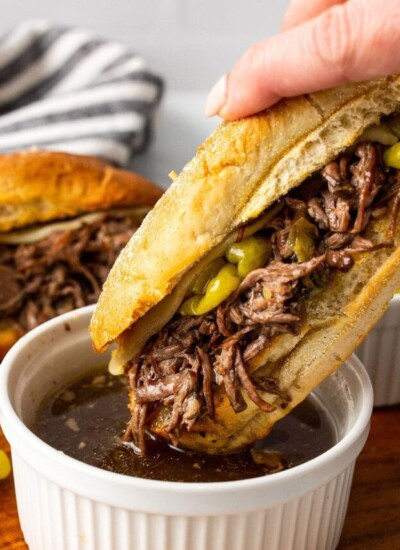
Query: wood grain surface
372 520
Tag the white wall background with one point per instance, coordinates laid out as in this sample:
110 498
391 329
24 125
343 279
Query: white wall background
193 42
190 42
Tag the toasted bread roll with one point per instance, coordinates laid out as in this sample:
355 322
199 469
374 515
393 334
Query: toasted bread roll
41 186
239 176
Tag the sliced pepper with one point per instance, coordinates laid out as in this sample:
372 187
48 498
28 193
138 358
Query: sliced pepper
5 465
392 156
249 254
218 289
190 306
302 236
200 284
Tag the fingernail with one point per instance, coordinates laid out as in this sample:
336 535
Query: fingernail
216 98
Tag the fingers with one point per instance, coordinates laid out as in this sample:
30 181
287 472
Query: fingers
301 11
354 41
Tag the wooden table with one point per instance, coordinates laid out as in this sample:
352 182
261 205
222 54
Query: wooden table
372 521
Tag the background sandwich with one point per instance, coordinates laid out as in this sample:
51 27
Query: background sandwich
63 220
260 270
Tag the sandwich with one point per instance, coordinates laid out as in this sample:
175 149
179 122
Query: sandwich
260 270
63 221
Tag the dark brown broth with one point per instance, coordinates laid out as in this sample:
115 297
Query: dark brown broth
86 418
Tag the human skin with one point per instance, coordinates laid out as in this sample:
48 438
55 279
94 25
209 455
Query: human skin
322 44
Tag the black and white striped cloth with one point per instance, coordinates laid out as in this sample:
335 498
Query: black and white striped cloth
69 90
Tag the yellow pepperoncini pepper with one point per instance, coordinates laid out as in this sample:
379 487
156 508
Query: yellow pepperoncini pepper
5 465
302 237
218 289
200 284
249 254
392 156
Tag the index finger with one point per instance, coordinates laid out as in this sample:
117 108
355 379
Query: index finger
301 11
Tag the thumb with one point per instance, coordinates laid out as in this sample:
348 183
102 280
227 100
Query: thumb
354 41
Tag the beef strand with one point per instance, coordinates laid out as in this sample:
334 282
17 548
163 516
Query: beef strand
59 273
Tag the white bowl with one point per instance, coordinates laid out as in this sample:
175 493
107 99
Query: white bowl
64 504
380 354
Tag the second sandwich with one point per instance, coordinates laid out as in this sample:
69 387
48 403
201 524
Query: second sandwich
63 221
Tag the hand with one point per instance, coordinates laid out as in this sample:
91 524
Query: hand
323 43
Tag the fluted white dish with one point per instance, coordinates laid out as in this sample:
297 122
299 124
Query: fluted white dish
380 354
64 504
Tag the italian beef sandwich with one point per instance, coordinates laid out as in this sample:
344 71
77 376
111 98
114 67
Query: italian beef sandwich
260 270
63 221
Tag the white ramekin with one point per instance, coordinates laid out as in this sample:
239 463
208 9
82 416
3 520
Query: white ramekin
64 504
380 354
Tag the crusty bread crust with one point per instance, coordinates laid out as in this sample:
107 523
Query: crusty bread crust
240 170
39 186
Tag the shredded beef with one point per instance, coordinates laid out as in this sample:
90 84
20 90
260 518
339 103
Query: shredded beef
10 288
182 365
59 273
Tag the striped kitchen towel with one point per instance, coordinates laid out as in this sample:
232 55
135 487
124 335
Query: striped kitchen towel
69 90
